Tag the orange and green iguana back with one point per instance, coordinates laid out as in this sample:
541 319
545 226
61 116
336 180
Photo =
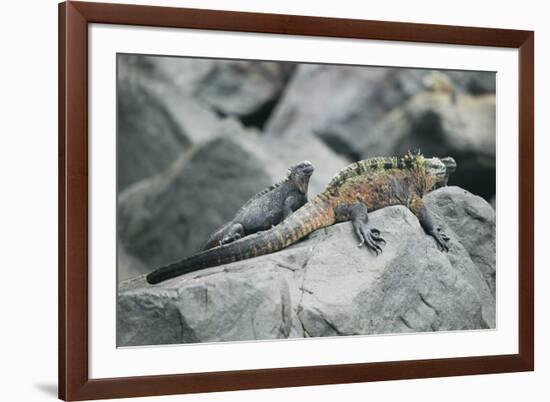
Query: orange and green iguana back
385 181
361 187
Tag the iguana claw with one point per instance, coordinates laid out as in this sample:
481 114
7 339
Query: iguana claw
230 238
441 239
370 237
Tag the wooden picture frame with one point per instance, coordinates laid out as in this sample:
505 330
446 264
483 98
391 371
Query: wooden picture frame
74 381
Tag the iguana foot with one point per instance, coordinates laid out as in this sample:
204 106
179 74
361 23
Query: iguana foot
370 237
359 218
230 238
441 239
230 234
435 231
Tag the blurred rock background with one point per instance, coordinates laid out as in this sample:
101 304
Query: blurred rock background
198 137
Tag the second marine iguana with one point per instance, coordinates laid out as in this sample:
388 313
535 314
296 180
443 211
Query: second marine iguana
362 187
268 208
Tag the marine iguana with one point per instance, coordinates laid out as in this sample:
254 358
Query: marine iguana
268 208
358 189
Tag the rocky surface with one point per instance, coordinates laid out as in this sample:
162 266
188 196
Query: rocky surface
169 104
244 89
438 123
342 104
198 137
326 286
156 124
466 214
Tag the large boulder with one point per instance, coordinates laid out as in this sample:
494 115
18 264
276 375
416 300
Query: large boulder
156 123
286 150
331 102
244 89
168 216
341 104
465 214
440 123
326 286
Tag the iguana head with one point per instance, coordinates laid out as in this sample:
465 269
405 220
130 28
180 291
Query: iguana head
440 169
300 173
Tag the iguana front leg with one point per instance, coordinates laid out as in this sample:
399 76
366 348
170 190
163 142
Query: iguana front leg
227 234
235 232
419 209
358 214
435 231
292 203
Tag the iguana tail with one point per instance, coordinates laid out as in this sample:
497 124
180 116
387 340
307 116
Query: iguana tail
312 216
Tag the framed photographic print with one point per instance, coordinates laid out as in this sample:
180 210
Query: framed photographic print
258 200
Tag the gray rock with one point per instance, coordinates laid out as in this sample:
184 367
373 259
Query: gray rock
329 101
156 123
228 307
439 124
326 286
464 124
247 89
286 150
244 89
465 214
148 137
342 104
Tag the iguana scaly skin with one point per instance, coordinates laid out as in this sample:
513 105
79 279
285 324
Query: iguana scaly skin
361 187
268 208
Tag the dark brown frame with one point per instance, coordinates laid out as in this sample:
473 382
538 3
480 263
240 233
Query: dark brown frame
74 383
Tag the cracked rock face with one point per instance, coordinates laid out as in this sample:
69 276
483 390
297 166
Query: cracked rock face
327 286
